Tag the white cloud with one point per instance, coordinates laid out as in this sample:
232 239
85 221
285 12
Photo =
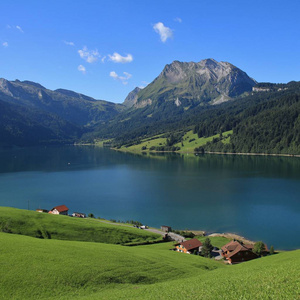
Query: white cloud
123 79
103 59
82 69
89 56
117 58
113 74
5 44
19 28
163 31
179 20
69 43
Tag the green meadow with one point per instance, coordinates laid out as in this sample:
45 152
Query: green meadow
190 141
41 268
43 225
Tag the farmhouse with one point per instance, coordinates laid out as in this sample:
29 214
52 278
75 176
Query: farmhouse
59 210
189 246
236 252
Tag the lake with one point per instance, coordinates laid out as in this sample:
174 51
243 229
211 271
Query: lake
254 196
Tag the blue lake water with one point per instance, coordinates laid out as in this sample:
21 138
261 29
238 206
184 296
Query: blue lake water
257 197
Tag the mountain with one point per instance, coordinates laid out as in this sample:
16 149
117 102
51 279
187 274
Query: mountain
189 83
22 126
132 97
267 120
68 105
31 114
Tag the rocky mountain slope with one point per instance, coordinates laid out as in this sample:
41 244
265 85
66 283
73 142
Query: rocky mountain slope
132 97
189 83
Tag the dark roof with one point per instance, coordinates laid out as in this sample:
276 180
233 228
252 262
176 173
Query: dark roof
60 208
239 248
230 246
191 244
234 247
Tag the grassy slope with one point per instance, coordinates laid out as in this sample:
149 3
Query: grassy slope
190 142
39 269
190 146
35 269
35 224
273 277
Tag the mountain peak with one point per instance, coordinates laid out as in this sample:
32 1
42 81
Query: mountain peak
132 97
207 81
31 83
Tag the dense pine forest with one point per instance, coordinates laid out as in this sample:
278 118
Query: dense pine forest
263 122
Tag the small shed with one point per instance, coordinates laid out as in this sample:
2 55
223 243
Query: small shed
166 228
59 210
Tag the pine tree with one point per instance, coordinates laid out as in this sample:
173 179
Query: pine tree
206 248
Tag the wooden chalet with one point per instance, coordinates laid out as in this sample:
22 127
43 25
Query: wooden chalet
189 246
236 252
59 210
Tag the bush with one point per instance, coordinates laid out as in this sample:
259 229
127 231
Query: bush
259 248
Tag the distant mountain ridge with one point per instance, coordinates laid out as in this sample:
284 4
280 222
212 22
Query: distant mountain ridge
73 107
185 83
31 114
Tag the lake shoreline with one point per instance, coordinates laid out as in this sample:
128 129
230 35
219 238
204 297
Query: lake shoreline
207 152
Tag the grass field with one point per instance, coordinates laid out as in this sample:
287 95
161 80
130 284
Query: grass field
44 225
190 141
35 268
216 241
52 269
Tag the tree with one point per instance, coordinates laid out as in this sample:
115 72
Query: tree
91 215
259 248
206 248
272 250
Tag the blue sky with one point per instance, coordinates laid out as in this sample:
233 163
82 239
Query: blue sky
106 48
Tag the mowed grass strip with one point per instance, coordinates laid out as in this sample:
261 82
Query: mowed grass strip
43 225
38 268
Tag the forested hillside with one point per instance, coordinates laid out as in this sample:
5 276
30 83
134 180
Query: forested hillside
263 122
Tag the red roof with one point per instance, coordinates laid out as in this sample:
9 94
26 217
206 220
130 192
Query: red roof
191 244
60 208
